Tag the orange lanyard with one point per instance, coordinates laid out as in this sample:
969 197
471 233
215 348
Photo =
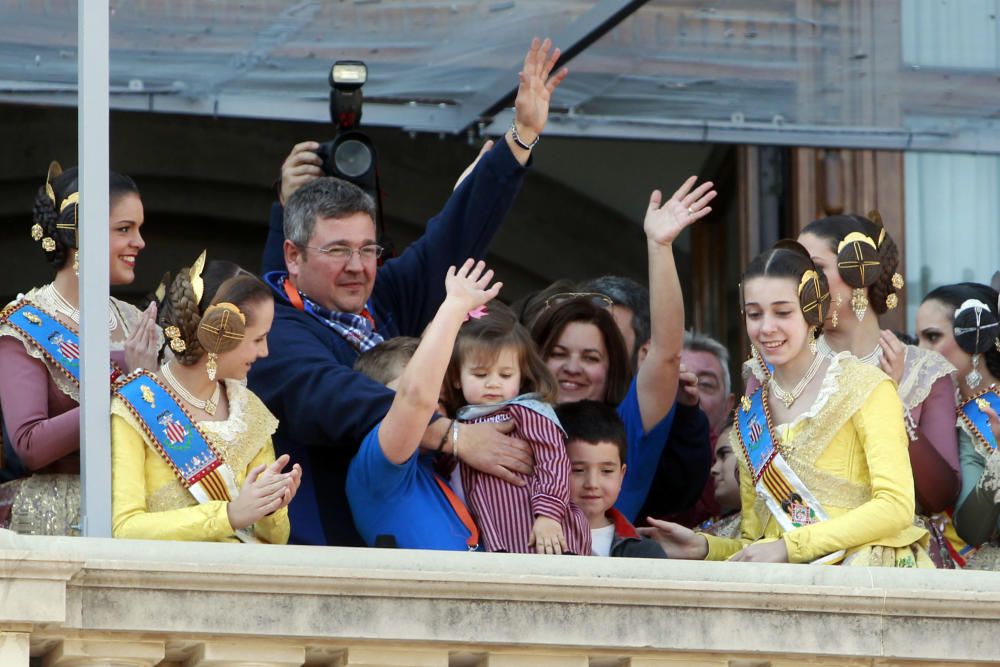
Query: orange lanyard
296 301
462 512
293 295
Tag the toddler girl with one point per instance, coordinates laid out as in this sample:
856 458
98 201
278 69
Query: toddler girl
496 375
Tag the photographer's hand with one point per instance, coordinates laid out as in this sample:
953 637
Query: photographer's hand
300 167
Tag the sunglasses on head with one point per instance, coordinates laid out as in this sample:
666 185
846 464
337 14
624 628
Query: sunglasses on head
599 300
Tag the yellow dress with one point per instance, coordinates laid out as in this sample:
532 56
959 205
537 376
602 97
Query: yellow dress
851 450
149 502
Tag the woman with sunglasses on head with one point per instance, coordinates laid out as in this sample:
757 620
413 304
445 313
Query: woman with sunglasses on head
960 322
860 261
824 471
584 349
191 453
39 354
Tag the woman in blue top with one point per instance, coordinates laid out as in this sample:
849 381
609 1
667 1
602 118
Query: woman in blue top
584 349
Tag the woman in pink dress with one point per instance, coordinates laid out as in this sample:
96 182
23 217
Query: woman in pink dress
39 354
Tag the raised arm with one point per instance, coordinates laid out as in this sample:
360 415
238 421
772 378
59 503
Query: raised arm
411 286
420 385
657 378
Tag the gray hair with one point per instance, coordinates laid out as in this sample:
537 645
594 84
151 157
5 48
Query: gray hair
699 342
630 294
323 198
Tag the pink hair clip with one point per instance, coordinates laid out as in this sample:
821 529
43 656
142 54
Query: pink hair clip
475 313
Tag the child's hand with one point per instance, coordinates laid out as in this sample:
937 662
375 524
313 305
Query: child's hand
467 286
547 536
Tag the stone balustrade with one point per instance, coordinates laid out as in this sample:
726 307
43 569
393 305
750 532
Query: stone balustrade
74 602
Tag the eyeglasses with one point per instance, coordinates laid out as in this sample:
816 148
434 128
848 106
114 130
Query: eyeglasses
599 300
343 253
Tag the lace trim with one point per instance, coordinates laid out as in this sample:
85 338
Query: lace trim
843 393
755 368
128 315
921 369
238 439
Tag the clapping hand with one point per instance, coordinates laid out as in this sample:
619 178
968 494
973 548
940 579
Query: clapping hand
664 223
142 346
265 491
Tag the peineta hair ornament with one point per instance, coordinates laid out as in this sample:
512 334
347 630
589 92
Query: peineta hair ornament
859 265
220 329
975 328
814 302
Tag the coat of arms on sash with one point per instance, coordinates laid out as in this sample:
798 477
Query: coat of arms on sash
174 430
68 349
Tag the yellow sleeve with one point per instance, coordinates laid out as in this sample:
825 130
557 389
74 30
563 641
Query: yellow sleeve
882 434
129 516
722 548
274 528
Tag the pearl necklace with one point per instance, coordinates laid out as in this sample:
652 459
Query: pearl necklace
209 405
66 309
872 358
789 397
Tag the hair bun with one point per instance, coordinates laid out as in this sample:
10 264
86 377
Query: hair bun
221 327
858 260
976 327
814 298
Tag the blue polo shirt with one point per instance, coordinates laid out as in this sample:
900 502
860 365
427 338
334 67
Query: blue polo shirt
644 451
401 500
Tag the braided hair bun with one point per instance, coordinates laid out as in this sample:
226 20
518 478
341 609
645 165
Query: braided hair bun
54 212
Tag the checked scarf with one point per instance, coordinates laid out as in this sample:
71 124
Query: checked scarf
357 330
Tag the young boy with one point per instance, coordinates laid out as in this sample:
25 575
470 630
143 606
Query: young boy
394 493
596 444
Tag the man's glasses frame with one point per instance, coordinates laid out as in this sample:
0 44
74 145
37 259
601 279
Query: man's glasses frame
343 253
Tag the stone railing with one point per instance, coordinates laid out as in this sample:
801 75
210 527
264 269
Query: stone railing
82 602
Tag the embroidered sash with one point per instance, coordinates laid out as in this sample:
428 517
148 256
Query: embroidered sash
57 342
975 421
178 440
786 496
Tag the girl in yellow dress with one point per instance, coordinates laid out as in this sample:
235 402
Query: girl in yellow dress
824 470
191 445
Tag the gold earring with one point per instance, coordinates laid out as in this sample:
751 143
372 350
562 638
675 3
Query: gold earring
211 366
835 318
859 303
812 340
76 262
974 377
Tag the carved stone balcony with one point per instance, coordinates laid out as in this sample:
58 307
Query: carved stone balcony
90 602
